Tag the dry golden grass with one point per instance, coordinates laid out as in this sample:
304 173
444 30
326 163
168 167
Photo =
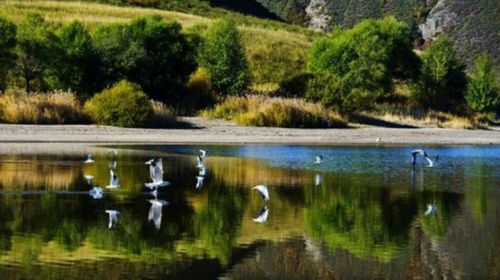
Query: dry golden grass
40 108
409 115
275 112
163 116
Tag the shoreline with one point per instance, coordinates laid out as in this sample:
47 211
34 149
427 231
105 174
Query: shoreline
203 131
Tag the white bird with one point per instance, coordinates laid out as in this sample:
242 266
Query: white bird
113 181
113 218
200 162
318 180
199 183
203 171
204 153
379 140
319 159
263 191
96 192
155 212
149 162
89 178
262 218
424 154
89 159
156 173
112 151
431 209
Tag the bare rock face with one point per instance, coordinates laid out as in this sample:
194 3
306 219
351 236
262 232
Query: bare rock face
318 15
439 21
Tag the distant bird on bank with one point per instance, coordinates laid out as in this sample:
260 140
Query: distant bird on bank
262 191
204 153
113 218
424 154
156 174
431 209
262 217
113 181
319 159
156 211
199 182
96 192
379 140
113 152
200 162
90 159
89 179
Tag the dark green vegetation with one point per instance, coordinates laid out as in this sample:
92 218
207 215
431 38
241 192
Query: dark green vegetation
483 89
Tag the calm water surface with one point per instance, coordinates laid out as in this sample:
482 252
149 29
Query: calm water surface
359 215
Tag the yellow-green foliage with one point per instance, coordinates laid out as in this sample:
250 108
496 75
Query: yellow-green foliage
40 108
163 116
275 112
122 105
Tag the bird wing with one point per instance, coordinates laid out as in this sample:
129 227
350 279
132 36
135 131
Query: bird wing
200 161
114 179
157 173
263 191
431 163
262 218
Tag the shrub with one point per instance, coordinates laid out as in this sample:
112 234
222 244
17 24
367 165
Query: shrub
122 105
483 87
36 49
56 107
442 80
331 91
162 115
225 59
8 31
150 52
78 65
295 86
365 61
275 112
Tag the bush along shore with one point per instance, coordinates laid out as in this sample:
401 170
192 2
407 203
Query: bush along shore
145 71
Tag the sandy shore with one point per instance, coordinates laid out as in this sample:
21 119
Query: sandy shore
216 131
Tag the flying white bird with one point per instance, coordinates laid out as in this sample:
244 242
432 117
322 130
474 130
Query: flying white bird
156 173
89 159
204 153
200 162
262 218
114 152
431 209
113 218
155 212
199 183
263 191
424 154
113 181
318 180
319 159
89 178
96 192
203 171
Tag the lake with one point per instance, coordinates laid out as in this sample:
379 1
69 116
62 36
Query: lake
364 213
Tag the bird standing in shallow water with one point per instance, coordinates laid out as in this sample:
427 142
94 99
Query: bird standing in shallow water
90 159
319 159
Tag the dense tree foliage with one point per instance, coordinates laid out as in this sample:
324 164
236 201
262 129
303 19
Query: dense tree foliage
8 32
442 79
37 46
366 60
483 87
150 52
225 59
78 65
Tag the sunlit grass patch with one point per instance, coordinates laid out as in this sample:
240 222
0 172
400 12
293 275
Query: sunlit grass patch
275 112
56 107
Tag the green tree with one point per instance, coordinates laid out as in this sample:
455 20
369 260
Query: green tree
365 60
36 49
78 68
122 105
442 81
150 52
483 87
225 59
8 31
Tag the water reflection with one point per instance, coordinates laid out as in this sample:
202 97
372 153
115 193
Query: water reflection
373 222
